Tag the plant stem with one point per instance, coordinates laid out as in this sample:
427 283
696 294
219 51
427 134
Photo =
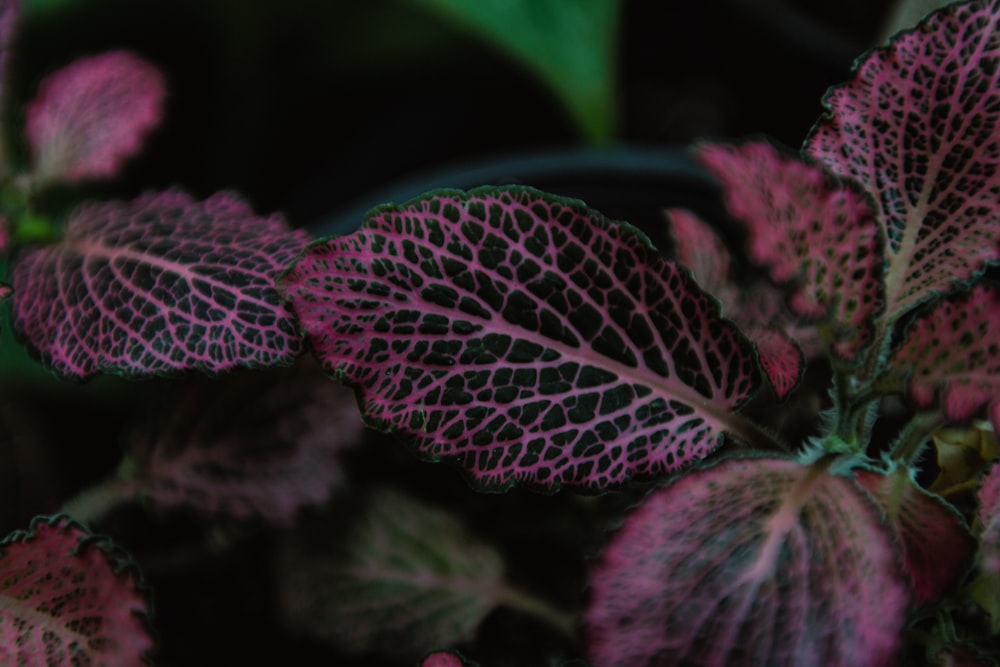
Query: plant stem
535 606
914 436
94 502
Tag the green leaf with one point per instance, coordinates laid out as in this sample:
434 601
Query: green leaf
408 578
571 46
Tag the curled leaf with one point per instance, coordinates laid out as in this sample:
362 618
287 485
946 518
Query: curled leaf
953 353
918 125
750 562
92 115
809 231
408 577
67 598
963 454
525 337
158 285
261 444
935 542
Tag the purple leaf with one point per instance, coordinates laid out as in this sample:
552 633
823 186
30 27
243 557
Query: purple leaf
259 444
935 542
92 115
406 577
67 598
953 352
989 518
159 285
809 230
750 562
917 126
525 337
702 251
444 659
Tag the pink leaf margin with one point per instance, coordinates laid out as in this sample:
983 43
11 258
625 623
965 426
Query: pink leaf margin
89 117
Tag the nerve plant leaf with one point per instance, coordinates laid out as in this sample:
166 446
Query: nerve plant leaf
445 659
159 285
259 444
750 562
953 353
935 542
964 453
525 337
808 230
756 310
918 125
408 578
68 598
92 115
984 588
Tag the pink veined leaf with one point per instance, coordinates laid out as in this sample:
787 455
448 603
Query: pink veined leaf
917 126
92 115
808 230
750 562
258 444
935 542
159 285
701 250
445 659
989 517
953 353
525 337
69 598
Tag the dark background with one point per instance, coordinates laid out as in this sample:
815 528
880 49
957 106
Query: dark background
305 105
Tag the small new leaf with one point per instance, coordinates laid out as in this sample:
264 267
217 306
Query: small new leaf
750 562
809 231
68 598
952 353
92 115
156 286
525 337
918 125
406 579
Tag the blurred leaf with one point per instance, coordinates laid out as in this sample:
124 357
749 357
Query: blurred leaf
754 561
935 541
68 598
407 579
256 444
572 46
963 455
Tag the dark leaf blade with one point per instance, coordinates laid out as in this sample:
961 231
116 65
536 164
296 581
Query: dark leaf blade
159 285
755 310
254 445
952 354
92 115
69 599
935 542
918 125
809 231
750 562
525 337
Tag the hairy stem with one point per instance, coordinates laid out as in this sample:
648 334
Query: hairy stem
915 435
